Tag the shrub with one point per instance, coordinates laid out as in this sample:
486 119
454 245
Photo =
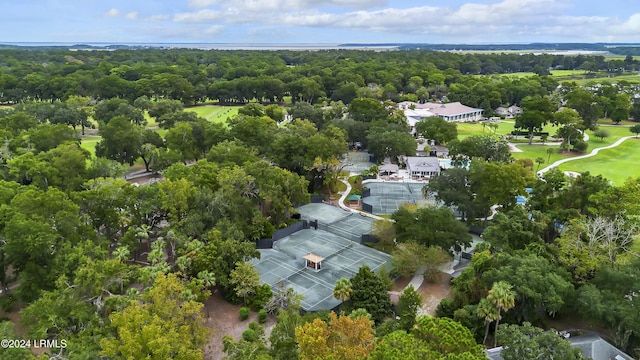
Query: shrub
249 335
7 303
244 313
262 316
260 298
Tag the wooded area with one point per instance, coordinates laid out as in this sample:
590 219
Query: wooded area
121 271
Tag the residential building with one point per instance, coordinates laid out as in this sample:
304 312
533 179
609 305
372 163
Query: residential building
452 112
592 347
508 112
422 167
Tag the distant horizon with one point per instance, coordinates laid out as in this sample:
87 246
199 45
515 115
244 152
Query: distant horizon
322 21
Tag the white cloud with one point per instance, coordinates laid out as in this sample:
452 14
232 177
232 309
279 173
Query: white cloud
156 18
503 21
214 30
131 15
628 28
112 12
198 4
205 15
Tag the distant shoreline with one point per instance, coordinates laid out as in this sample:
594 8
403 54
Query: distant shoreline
538 48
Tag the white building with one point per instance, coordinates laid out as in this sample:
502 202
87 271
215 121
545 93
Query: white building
452 112
510 112
422 167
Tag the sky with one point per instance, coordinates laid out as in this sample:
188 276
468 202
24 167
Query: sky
319 21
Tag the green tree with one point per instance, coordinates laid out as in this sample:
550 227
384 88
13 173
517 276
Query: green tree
410 256
245 279
537 111
621 106
528 342
121 141
283 299
13 353
497 183
181 140
163 107
487 147
108 109
515 229
367 110
438 129
385 232
342 289
635 129
446 336
162 326
503 298
409 303
452 188
487 311
601 133
342 338
392 143
370 292
283 335
431 226
539 285
252 346
586 104
539 161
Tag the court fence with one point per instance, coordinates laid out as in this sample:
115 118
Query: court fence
281 233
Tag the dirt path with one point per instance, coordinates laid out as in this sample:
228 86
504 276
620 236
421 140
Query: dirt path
223 318
433 292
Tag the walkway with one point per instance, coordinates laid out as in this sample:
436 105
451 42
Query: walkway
593 152
344 207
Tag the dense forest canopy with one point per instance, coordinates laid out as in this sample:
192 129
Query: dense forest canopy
128 260
239 76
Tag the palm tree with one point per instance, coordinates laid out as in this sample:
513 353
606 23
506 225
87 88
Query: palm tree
550 151
539 161
343 289
487 311
121 253
502 297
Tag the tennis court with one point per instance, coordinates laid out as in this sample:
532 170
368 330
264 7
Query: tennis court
342 258
356 162
322 212
387 197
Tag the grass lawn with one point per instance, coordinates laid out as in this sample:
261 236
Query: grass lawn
630 78
566 72
615 164
216 114
505 128
468 129
89 144
540 151
519 74
616 132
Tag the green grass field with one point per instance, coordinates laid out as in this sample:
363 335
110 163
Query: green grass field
559 73
615 164
535 151
89 144
634 79
616 132
216 114
468 129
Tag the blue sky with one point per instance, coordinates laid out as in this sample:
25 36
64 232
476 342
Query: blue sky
319 21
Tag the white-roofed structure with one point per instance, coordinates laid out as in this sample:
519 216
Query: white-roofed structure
422 167
452 112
